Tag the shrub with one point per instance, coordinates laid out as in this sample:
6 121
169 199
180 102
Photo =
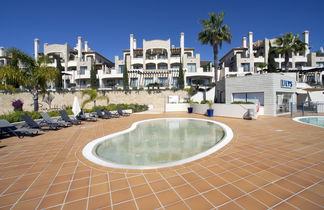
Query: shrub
15 116
174 89
204 102
17 105
242 102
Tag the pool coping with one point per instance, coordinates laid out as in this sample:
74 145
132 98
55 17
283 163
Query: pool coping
87 151
298 118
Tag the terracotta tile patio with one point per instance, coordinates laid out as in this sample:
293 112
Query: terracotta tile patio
272 162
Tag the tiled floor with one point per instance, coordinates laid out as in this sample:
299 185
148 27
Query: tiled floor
270 163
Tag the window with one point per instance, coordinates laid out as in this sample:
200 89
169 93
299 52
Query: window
120 82
320 64
133 82
137 66
120 68
163 66
175 81
175 66
249 97
83 69
163 81
191 67
150 66
246 67
148 81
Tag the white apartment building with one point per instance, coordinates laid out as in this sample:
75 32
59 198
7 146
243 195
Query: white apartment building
77 62
242 60
158 62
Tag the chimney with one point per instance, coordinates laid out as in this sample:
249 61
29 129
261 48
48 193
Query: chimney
134 44
251 44
244 42
182 44
2 51
36 48
86 46
131 44
79 48
306 40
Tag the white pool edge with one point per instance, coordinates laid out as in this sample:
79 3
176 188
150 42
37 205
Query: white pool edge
87 150
297 119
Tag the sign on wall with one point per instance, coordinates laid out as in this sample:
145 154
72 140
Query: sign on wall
286 83
173 99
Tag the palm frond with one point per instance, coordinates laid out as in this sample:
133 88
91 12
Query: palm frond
85 102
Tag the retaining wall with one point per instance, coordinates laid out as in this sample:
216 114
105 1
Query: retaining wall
61 100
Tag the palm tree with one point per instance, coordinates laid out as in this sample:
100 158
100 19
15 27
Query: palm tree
31 74
214 33
92 96
262 66
288 44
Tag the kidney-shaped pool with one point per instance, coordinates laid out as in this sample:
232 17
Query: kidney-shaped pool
159 143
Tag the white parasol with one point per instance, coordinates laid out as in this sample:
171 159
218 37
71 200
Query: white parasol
76 106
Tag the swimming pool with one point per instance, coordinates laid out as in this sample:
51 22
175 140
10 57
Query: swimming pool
159 143
311 120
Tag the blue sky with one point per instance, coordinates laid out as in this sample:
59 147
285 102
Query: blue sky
106 25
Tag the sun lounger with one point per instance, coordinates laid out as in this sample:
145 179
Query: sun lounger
30 122
111 115
7 127
83 116
120 112
100 115
47 120
65 117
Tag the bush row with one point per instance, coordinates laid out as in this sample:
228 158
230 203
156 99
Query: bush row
15 116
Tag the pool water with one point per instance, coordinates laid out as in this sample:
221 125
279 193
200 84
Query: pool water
157 143
313 120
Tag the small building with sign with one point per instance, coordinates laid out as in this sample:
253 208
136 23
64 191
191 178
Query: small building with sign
272 92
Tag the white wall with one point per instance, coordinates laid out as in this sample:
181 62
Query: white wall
199 96
176 107
226 110
269 84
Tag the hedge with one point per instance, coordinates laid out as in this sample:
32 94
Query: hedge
15 116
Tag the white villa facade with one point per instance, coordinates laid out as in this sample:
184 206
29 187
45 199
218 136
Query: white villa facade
158 62
77 62
242 60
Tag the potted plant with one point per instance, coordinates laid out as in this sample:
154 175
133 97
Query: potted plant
210 110
191 102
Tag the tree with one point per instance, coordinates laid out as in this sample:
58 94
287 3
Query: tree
288 44
181 77
92 97
125 77
214 33
261 66
31 74
58 80
93 76
271 59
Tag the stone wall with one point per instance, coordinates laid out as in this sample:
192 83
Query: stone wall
61 100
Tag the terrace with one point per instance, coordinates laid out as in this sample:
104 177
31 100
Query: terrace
272 162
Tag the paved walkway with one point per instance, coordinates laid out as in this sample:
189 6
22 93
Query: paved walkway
272 162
